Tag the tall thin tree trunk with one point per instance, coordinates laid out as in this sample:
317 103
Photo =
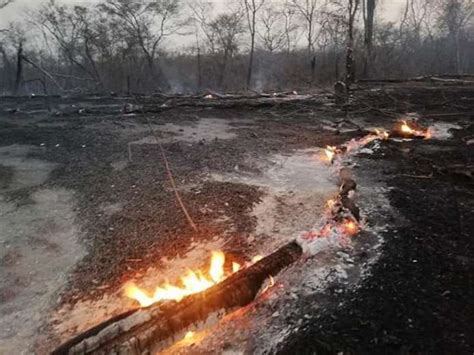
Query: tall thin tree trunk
350 65
199 71
369 15
252 49
19 69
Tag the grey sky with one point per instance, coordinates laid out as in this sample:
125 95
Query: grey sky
389 9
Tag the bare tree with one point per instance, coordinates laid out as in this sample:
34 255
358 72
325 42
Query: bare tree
4 3
252 7
454 16
368 11
147 22
307 9
288 14
352 8
72 30
226 28
202 14
272 33
335 29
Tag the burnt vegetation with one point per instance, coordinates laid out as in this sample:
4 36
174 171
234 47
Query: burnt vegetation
129 47
106 92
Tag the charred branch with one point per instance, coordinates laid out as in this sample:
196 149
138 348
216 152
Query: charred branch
139 331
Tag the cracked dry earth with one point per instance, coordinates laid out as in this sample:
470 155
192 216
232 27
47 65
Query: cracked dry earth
85 207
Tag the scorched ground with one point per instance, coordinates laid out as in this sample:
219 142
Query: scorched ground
86 208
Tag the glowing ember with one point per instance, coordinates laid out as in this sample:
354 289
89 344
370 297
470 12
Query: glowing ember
330 151
189 335
350 227
192 282
235 267
381 134
406 129
270 284
217 266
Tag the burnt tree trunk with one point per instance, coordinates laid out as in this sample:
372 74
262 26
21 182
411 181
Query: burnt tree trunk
350 63
141 331
369 14
19 69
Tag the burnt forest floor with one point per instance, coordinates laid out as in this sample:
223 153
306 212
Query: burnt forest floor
419 295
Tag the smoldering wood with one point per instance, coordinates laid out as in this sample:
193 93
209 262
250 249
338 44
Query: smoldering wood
138 331
350 205
347 186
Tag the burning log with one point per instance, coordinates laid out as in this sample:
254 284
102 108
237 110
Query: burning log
140 331
410 129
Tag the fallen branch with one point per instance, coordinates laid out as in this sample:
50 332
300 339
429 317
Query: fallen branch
141 331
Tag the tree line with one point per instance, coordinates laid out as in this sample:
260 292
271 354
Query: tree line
131 46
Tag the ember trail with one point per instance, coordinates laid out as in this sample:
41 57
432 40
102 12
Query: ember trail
266 177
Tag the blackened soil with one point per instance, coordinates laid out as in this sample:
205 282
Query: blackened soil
145 223
419 298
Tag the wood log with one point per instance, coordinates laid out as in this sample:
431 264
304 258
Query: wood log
139 331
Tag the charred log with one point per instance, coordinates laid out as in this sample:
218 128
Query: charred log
139 331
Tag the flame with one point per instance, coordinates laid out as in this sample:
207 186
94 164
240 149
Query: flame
405 128
192 282
189 335
350 227
381 134
331 203
330 151
217 266
235 267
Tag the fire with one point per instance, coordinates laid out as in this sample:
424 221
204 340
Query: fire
350 227
330 151
189 335
192 282
405 128
235 267
217 266
381 134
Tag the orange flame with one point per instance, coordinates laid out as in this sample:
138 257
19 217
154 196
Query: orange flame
381 134
405 128
192 282
189 335
330 151
235 267
350 227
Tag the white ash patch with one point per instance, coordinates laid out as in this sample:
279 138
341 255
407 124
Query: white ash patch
296 188
38 246
442 130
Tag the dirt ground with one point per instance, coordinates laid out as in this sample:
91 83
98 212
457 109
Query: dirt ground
85 206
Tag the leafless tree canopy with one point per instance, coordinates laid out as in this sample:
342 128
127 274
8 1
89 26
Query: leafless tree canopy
168 45
4 3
